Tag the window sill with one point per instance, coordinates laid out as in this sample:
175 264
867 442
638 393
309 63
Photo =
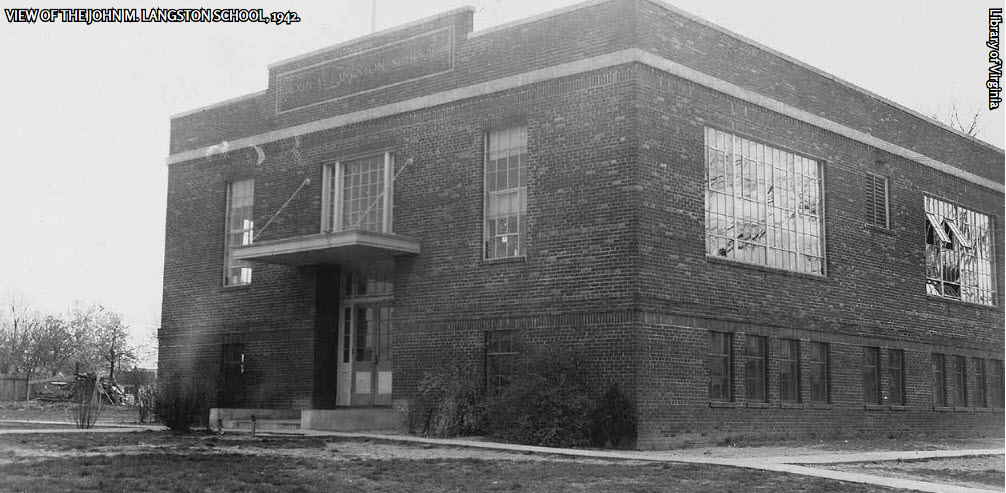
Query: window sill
764 268
898 408
942 409
876 407
504 260
819 405
723 404
937 298
879 229
963 408
759 405
791 405
236 287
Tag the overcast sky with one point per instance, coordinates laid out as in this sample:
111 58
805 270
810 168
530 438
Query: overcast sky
85 113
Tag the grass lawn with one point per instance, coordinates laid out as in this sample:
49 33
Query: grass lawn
158 462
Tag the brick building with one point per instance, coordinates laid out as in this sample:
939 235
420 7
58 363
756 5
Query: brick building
748 245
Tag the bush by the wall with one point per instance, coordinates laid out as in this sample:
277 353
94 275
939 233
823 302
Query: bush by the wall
182 403
547 403
448 403
613 419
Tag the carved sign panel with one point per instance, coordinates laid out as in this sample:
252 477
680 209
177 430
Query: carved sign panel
387 65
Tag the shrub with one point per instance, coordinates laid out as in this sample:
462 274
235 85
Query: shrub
448 403
87 401
144 400
182 404
613 419
547 403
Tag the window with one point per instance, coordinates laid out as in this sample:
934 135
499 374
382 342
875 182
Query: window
719 366
980 397
876 201
789 370
871 375
506 193
818 372
763 205
501 359
960 381
959 253
895 377
939 380
755 361
357 194
240 230
996 383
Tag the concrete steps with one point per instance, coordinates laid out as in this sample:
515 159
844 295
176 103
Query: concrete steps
261 425
373 419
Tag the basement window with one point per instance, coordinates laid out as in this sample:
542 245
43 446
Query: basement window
719 366
501 359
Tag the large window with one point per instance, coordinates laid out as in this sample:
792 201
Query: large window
939 380
240 230
719 366
763 205
959 253
876 200
756 364
789 370
819 372
506 193
871 375
357 194
960 381
895 377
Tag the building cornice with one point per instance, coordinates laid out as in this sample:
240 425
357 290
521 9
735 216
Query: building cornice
631 55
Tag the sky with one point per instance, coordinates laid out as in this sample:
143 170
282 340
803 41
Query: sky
85 116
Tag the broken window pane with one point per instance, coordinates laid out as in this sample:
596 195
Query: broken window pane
959 261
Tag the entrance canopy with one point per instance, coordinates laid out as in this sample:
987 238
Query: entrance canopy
333 248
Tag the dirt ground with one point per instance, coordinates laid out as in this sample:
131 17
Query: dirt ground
973 471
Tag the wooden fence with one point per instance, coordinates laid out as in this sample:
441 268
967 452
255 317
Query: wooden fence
13 388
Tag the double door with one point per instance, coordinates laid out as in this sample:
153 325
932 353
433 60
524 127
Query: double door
364 353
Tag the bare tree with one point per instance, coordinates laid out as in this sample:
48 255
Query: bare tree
56 343
112 342
20 334
969 124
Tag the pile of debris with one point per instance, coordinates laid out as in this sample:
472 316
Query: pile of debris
78 388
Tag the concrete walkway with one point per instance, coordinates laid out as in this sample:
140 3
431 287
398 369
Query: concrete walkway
750 458
788 464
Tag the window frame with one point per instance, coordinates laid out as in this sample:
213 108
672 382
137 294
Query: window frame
247 234
333 193
496 382
792 361
973 264
939 371
823 366
871 375
895 377
724 352
979 375
996 383
753 360
489 250
960 381
872 215
785 245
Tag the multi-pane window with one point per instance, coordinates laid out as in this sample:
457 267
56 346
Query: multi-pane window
240 230
939 380
895 377
501 359
959 252
506 193
789 370
719 366
876 200
871 375
763 205
756 364
357 194
818 372
978 384
960 381
996 383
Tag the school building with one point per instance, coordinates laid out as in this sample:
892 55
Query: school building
749 246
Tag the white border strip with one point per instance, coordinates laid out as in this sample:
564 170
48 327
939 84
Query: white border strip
586 65
536 18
